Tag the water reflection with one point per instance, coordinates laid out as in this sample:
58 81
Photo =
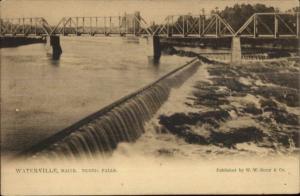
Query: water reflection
55 62
154 61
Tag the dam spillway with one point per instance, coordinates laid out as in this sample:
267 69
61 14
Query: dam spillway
121 121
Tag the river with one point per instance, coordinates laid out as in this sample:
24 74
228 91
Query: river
222 122
39 96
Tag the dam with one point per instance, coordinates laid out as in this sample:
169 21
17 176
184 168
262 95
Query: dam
60 117
105 60
149 97
83 81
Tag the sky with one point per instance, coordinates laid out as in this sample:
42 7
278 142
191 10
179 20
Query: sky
151 10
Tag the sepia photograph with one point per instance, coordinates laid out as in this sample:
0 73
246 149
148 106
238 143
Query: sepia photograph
139 97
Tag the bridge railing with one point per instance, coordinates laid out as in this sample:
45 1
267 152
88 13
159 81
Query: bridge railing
24 26
175 25
195 26
272 25
89 25
102 25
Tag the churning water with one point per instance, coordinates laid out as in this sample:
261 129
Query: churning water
40 96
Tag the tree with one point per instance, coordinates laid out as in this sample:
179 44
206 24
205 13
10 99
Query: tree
237 15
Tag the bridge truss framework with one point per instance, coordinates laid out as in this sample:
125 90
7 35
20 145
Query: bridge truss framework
268 25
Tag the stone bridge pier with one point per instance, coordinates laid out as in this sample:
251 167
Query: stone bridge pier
152 47
54 42
236 51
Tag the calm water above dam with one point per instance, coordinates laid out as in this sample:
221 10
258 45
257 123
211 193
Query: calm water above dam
40 96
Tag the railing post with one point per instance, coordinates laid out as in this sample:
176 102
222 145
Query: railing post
30 26
183 24
276 34
11 28
83 25
76 26
23 25
19 23
110 25
187 25
220 27
70 23
125 24
172 30
168 27
120 25
133 25
91 28
298 24
255 26
199 26
96 25
104 25
217 26
0 26
64 26
35 26
203 24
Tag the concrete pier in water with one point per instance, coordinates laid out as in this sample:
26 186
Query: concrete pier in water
54 42
153 48
236 53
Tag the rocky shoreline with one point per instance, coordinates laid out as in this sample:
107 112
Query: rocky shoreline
235 109
247 55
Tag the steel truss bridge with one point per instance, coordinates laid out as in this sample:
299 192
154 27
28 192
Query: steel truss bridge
267 25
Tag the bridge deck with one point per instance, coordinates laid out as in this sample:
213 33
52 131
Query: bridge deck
280 25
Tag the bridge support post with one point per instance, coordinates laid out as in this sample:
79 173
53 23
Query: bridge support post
54 42
153 48
236 53
156 47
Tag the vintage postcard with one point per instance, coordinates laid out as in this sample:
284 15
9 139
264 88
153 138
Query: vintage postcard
132 97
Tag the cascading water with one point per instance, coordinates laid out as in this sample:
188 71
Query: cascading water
122 121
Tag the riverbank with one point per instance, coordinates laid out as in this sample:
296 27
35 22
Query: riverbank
248 44
224 55
6 42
